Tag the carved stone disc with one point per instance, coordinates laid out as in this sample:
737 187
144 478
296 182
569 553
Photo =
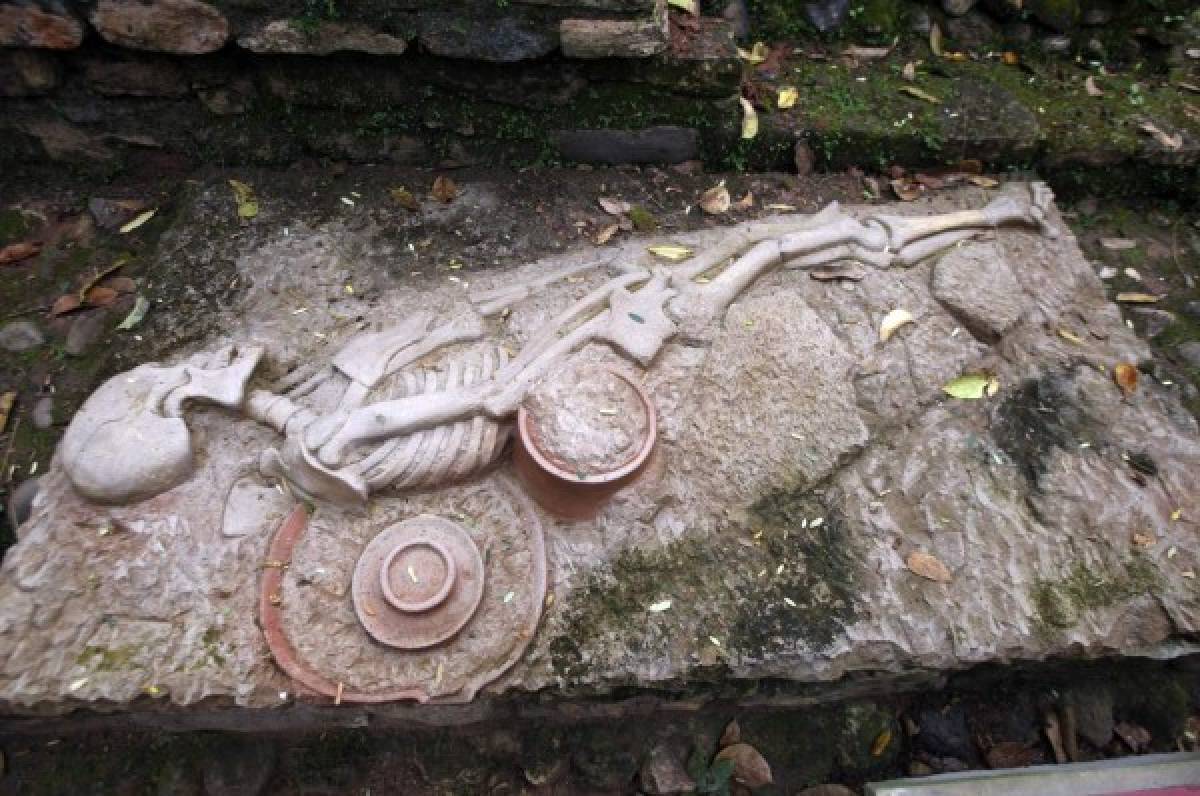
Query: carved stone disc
418 582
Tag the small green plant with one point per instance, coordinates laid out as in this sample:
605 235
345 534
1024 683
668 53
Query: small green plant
710 779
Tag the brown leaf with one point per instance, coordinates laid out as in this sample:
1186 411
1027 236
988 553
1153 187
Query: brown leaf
22 250
1135 737
982 182
715 200
65 304
121 284
100 296
6 404
1126 377
1118 244
405 199
749 767
731 735
928 567
1010 58
745 203
444 189
1091 88
969 166
1054 735
866 53
605 235
906 190
1011 754
1143 540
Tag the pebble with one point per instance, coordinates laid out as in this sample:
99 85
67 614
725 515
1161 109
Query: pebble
663 773
86 329
1191 354
1056 44
1192 309
43 412
18 336
957 8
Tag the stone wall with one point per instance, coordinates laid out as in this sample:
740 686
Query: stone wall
413 81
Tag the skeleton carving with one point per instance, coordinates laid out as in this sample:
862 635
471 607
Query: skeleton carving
434 427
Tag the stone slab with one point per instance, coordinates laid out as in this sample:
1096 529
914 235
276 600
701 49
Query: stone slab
801 462
1157 775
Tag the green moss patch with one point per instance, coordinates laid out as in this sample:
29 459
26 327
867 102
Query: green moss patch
1061 603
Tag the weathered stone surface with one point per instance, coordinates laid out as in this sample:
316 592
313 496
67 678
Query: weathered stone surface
613 38
1191 354
1093 706
136 78
86 330
972 31
43 412
653 145
182 27
27 73
34 23
662 774
800 461
64 142
286 36
511 37
17 336
977 285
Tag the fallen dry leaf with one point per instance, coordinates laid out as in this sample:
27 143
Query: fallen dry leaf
135 316
614 207
100 296
882 742
906 190
1091 88
138 220
6 404
972 386
690 6
405 199
1010 58
909 72
1067 334
749 767
745 203
1054 735
1143 540
930 182
1135 737
65 304
749 119
756 55
731 735
121 284
935 39
247 203
1171 142
787 97
928 567
1126 377
982 182
15 252
671 251
1137 298
605 235
920 94
893 321
715 200
1118 244
852 272
444 190
866 53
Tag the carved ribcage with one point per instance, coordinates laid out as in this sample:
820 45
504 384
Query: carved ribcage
445 453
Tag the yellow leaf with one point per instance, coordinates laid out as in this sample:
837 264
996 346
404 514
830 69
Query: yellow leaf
893 321
1137 298
137 222
405 199
787 97
972 386
690 6
882 742
749 119
243 194
935 39
671 251
913 91
1010 58
928 567
605 235
982 182
1067 334
757 54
